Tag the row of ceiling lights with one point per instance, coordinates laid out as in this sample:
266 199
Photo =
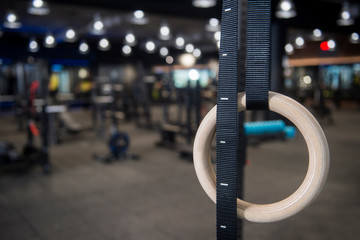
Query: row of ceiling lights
104 44
285 9
317 35
40 7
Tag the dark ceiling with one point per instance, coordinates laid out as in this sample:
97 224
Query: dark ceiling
182 17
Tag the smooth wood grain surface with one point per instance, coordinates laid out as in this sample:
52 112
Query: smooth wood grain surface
319 160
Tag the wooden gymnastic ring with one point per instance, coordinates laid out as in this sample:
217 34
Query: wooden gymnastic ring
319 160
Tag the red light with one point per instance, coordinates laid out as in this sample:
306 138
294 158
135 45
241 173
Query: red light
324 46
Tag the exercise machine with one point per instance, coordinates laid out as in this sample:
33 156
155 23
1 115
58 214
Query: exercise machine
119 141
188 101
10 158
142 109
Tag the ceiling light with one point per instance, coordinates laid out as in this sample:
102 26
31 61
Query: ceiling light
38 7
289 49
139 14
194 75
33 45
214 22
345 18
299 42
345 15
70 35
180 42
217 35
197 53
354 38
332 44
285 9
98 27
307 79
150 46
11 17
126 49
49 41
169 59
130 39
83 73
164 51
139 18
189 48
11 20
164 31
83 47
213 25
204 3
38 3
104 44
317 34
187 60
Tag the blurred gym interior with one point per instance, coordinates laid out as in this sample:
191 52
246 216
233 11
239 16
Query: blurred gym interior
100 102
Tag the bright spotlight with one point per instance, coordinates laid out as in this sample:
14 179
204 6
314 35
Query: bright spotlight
130 39
104 44
187 60
126 49
299 42
331 44
83 47
139 14
354 38
169 59
189 48
83 73
180 42
197 53
33 45
150 46
307 79
70 35
194 75
204 3
164 51
49 40
289 49
217 35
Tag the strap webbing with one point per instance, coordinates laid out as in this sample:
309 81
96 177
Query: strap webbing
257 87
242 141
227 124
258 54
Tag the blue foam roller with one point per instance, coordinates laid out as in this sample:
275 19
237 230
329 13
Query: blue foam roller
290 132
264 127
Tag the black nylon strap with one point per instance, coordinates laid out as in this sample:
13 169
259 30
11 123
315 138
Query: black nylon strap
242 141
258 54
227 124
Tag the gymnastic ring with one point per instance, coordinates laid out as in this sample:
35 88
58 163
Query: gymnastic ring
319 161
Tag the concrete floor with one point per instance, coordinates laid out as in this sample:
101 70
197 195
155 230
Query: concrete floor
158 197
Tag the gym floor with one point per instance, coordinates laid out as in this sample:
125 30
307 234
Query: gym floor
158 196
